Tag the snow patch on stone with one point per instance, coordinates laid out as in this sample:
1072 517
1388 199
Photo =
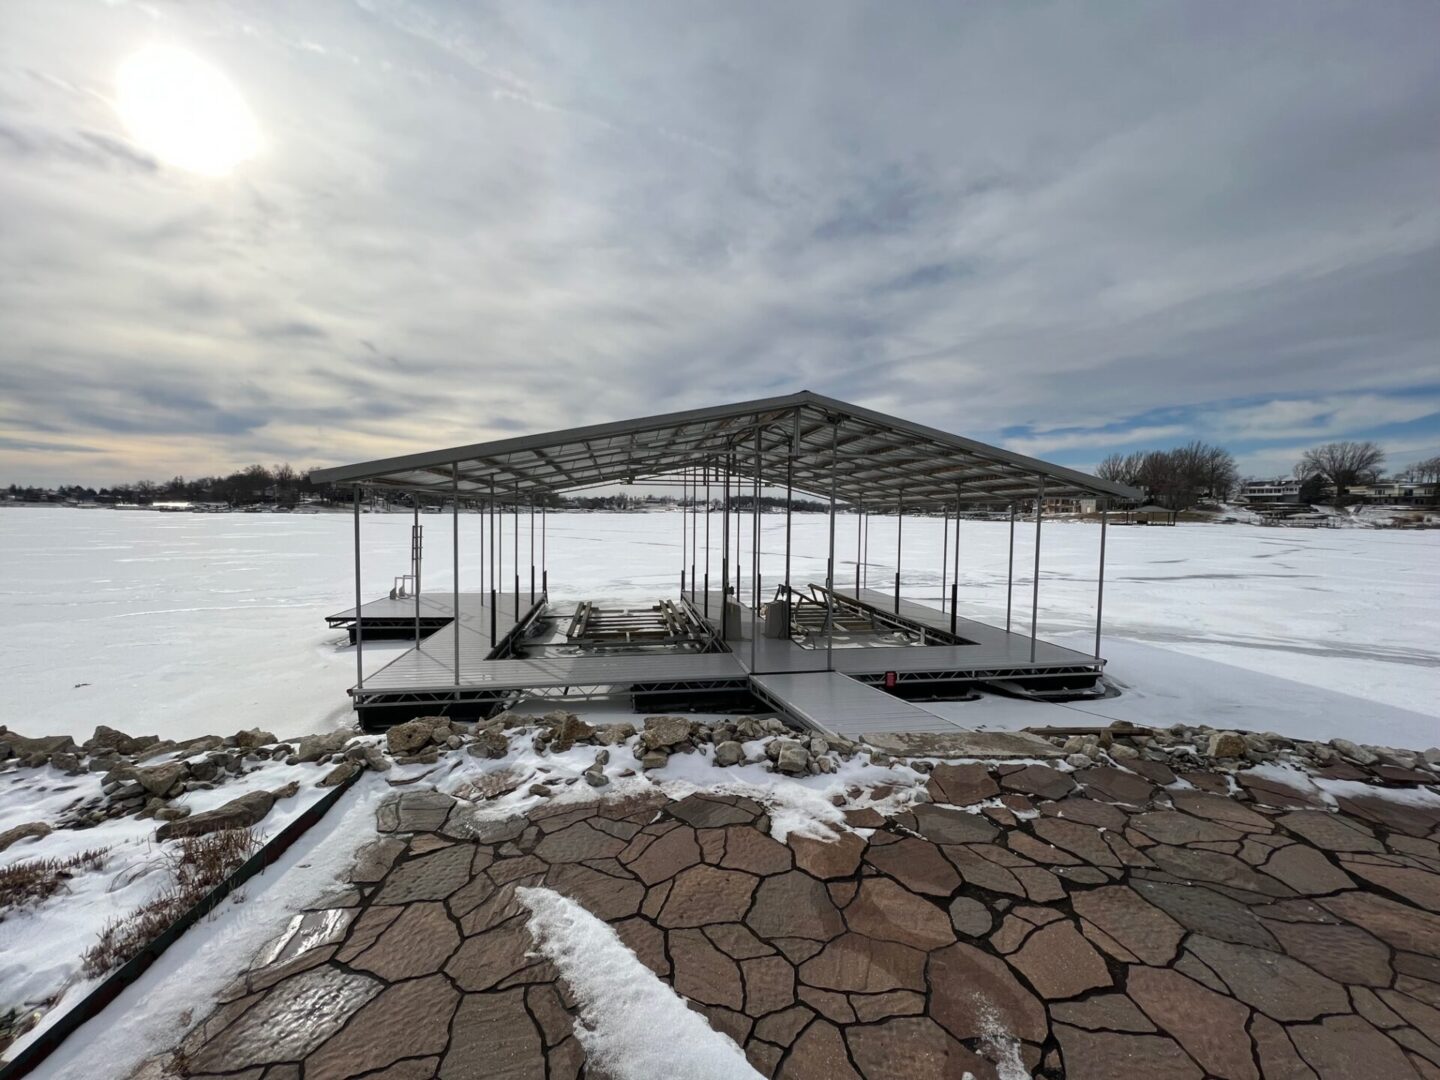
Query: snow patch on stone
633 1026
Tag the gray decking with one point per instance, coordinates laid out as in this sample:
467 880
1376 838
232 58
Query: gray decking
791 678
839 705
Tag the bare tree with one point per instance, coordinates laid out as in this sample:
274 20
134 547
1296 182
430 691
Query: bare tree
1121 468
1427 471
1342 465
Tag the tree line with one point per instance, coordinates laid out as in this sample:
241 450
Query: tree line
1190 474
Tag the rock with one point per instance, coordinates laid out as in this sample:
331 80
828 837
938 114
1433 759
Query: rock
289 790
171 813
614 733
338 775
1226 744
409 737
595 776
539 790
793 759
818 746
30 829
664 732
569 731
251 738
375 758
249 809
314 747
108 738
1123 752
1432 756
67 763
34 751
161 780
454 742
200 745
1078 761
654 759
729 753
488 743
1351 751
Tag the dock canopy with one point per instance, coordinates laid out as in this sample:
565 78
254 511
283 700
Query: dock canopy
805 440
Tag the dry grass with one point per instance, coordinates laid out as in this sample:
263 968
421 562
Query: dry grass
25 884
198 865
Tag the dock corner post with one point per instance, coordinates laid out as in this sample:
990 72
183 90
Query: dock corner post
1035 581
830 563
515 541
415 555
1010 571
532 550
944 550
755 555
899 544
1100 579
359 628
455 568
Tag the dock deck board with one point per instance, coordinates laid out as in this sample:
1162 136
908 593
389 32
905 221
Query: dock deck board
836 704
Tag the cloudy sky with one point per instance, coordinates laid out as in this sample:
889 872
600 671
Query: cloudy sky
1069 229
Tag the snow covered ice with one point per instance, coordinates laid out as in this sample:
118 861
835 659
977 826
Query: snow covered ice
181 625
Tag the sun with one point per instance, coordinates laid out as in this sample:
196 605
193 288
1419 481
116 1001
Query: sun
185 111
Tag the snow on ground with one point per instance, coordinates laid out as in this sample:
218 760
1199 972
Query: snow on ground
633 1026
190 624
158 1008
806 805
42 947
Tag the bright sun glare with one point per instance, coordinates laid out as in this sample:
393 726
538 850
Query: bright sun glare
185 111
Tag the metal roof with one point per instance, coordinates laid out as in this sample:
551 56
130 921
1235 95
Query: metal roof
878 461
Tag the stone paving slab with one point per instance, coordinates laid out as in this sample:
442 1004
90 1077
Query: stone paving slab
1088 925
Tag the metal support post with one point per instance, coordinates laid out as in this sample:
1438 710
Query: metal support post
899 544
415 542
755 555
515 547
944 550
532 551
359 629
725 555
830 563
1010 571
1100 588
705 591
1035 582
455 563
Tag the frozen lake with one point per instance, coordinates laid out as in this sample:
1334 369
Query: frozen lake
183 624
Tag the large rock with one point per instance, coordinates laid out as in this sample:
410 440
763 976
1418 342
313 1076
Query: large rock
36 751
410 737
111 739
664 732
314 747
253 737
249 809
1209 1026
161 780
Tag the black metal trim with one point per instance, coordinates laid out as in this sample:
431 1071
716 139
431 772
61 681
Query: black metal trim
90 1006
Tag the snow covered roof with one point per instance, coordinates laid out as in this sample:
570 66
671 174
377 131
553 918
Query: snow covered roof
876 460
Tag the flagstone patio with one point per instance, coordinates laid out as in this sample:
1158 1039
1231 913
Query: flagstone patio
1114 924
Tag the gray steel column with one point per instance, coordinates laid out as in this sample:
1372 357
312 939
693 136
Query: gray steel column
359 629
789 497
705 591
1010 572
859 518
532 549
515 515
544 564
755 556
415 557
683 537
899 544
944 550
955 577
1100 589
1035 582
830 565
455 560
725 554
